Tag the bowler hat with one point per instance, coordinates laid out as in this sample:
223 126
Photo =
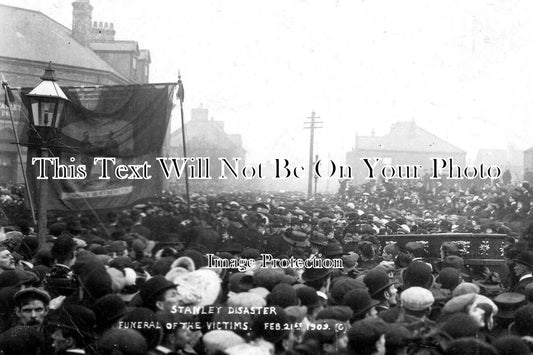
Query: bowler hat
314 274
333 249
308 297
377 280
57 228
449 278
283 295
418 273
297 239
359 301
108 309
525 258
154 287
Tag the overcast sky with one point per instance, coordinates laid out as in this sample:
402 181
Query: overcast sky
461 69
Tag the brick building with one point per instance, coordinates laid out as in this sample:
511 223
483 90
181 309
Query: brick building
84 56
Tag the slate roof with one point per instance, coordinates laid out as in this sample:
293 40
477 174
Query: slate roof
30 35
406 137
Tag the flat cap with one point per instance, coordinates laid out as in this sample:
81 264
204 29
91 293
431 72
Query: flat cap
417 298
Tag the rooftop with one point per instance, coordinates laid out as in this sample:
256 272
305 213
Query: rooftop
31 35
406 137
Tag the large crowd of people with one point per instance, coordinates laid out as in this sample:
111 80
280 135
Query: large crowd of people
271 273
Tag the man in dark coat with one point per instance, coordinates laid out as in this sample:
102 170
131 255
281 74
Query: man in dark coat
523 269
60 282
381 289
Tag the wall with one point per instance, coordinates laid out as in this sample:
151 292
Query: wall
120 61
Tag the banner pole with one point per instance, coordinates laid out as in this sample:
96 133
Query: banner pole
17 141
181 96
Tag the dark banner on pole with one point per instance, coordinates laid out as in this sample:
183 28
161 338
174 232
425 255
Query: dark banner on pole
109 137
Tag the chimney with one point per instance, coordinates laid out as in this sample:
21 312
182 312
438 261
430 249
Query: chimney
81 21
102 31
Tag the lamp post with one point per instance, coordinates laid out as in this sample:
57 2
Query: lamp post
47 103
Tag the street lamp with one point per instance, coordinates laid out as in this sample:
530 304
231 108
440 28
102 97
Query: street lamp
47 103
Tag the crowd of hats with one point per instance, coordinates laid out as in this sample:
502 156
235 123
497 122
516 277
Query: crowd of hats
126 260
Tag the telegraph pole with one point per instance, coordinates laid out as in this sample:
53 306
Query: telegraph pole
312 126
